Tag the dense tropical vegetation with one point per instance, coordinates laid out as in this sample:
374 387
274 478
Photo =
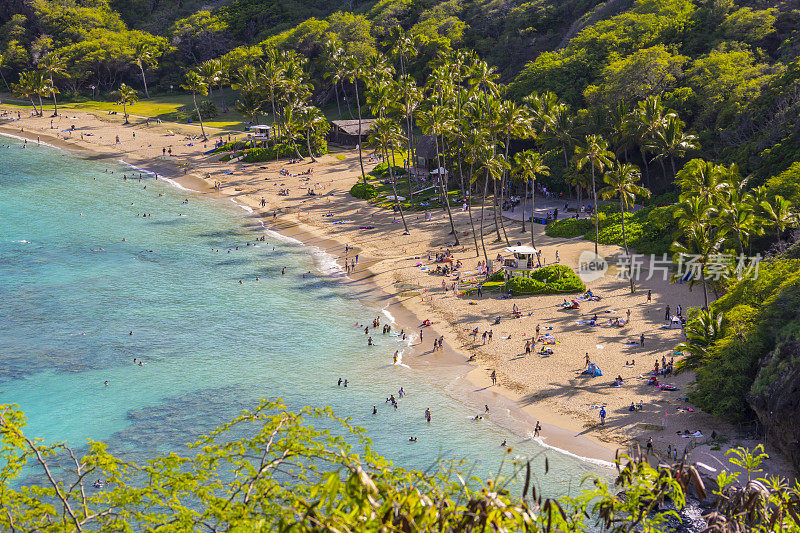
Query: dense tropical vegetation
293 474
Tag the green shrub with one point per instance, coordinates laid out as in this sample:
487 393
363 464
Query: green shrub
498 276
382 171
493 285
568 228
364 191
258 155
560 280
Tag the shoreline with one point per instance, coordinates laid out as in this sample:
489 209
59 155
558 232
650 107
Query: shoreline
548 389
464 375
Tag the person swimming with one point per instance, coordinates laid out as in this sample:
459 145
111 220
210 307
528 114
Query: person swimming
374 410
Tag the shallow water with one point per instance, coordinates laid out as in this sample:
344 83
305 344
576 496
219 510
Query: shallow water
71 291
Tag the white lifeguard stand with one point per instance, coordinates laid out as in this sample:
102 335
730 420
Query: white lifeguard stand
260 132
521 262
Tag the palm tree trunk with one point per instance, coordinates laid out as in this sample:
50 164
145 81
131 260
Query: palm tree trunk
396 199
672 161
596 219
346 101
360 158
409 136
274 116
36 111
705 291
646 166
494 209
41 106
471 221
483 204
625 244
338 104
124 111
502 195
199 117
533 204
443 188
525 205
53 93
308 145
663 170
144 81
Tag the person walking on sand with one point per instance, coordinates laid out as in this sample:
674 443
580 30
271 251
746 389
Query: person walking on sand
641 340
649 295
490 336
602 416
649 445
484 336
527 347
537 429
666 313
493 375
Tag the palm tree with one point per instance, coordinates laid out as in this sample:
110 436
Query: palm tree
210 72
650 114
529 165
410 99
292 125
512 120
353 72
597 154
29 84
54 65
126 96
333 54
386 136
312 120
435 122
621 183
272 76
559 126
144 54
494 166
671 142
702 330
779 214
196 85
695 210
701 178
701 241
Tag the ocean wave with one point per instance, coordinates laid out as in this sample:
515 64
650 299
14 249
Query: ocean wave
159 176
27 139
245 207
599 462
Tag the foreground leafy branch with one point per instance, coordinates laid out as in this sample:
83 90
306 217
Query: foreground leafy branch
274 470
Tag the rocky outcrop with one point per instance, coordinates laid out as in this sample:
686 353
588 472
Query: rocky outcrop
775 397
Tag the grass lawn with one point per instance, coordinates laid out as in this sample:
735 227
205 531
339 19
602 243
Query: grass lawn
165 107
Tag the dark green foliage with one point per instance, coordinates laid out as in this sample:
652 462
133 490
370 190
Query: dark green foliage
758 314
560 279
364 191
259 155
650 230
382 171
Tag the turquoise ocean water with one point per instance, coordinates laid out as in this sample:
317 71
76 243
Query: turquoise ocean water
71 291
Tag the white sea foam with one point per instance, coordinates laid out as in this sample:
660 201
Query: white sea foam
388 315
326 263
540 441
26 139
281 237
245 207
159 176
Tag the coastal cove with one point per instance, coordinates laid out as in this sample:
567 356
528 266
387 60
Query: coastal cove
211 346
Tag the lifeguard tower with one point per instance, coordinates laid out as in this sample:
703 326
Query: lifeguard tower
260 132
521 262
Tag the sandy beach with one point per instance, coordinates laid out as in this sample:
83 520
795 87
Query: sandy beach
550 389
